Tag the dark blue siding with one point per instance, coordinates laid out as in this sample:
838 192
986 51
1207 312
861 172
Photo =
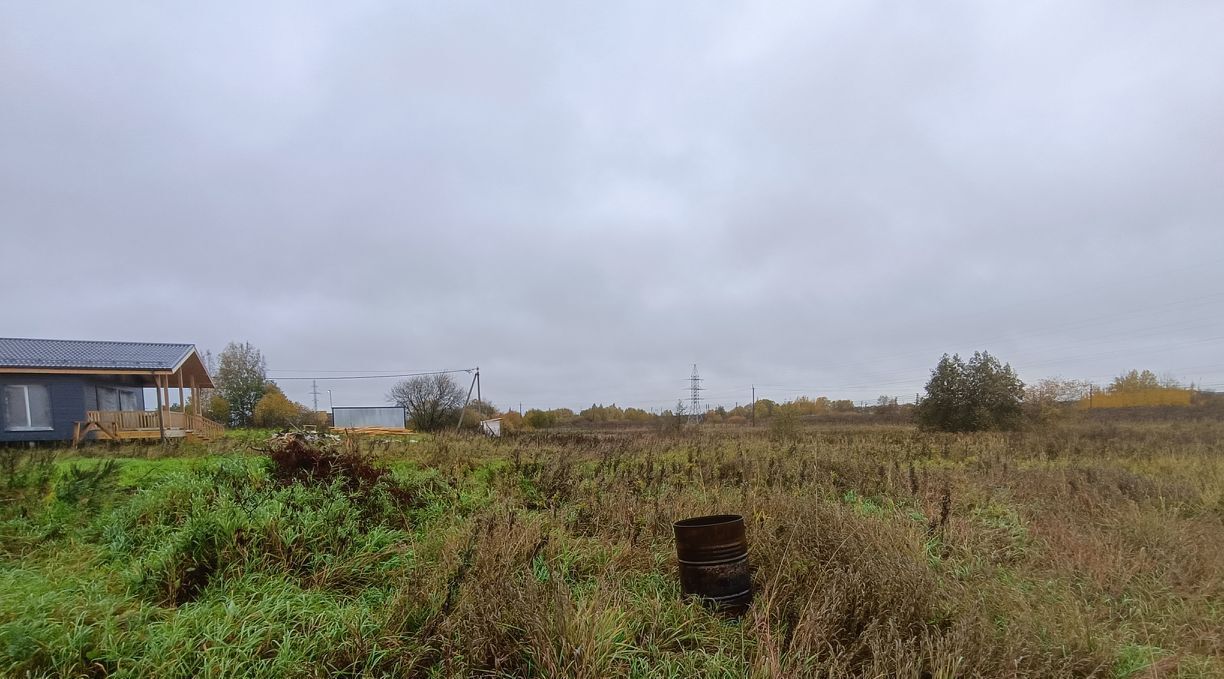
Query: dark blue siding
67 406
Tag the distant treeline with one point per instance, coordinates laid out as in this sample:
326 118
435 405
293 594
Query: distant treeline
766 409
1044 399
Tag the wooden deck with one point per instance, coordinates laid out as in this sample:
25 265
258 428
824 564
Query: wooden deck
126 425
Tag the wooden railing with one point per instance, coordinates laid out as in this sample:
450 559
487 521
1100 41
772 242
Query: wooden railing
205 426
126 420
146 420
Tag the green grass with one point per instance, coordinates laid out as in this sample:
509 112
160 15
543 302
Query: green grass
140 472
1071 552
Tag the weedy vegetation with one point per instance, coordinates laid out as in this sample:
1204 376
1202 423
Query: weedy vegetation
1077 550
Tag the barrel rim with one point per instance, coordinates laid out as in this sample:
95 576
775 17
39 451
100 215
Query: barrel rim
746 595
708 521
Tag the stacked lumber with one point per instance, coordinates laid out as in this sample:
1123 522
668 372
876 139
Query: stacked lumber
376 431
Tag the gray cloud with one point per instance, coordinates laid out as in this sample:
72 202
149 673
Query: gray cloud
586 200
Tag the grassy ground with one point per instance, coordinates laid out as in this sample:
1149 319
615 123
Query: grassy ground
1082 550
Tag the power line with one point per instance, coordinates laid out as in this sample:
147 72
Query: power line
383 377
1099 321
320 370
916 373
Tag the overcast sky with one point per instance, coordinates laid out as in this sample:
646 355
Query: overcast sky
584 199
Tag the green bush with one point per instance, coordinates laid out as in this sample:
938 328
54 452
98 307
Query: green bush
980 395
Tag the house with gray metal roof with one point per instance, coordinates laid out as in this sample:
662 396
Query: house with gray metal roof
72 390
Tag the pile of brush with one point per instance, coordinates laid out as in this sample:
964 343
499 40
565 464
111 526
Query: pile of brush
297 460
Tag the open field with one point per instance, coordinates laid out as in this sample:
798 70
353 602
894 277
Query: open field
1084 550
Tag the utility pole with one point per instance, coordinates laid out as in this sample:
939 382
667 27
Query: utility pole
754 405
463 410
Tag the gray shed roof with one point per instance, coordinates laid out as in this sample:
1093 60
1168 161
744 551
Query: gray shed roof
91 355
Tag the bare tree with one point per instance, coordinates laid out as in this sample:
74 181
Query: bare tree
1051 397
431 401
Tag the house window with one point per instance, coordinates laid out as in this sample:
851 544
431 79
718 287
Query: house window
115 398
108 399
27 407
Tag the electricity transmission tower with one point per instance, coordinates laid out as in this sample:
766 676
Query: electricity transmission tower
695 389
314 391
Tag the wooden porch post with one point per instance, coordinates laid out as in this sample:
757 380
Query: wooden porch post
182 403
195 398
161 421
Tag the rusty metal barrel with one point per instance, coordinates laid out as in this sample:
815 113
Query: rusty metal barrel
713 556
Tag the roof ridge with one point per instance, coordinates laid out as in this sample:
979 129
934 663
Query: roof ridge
47 339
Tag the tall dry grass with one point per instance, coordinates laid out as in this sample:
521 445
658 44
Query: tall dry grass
1088 550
